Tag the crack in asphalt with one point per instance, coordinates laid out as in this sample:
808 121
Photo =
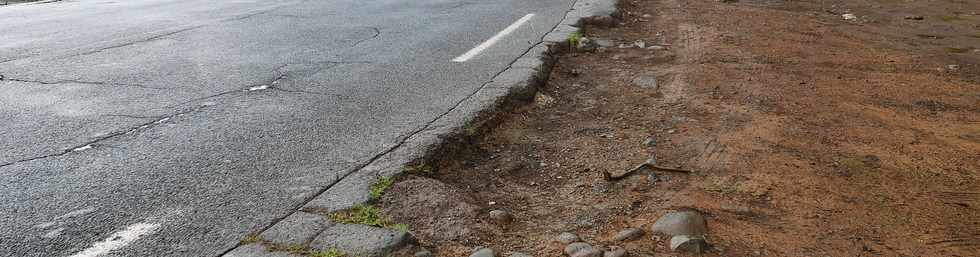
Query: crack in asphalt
94 143
149 39
377 32
73 81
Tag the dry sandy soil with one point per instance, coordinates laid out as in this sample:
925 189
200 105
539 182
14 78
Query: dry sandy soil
805 134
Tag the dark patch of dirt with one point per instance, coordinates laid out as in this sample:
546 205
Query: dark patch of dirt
805 134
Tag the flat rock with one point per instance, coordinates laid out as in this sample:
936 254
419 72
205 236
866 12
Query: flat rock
591 252
648 81
484 252
576 247
567 238
501 216
686 222
298 228
690 244
256 250
360 240
629 234
614 251
520 254
423 253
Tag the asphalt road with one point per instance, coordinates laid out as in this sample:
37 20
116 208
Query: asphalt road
176 127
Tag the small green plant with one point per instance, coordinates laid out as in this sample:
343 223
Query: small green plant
420 169
250 238
380 186
367 215
332 252
574 38
400 227
360 214
296 248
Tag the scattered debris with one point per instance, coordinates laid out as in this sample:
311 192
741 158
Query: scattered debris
646 81
849 17
914 17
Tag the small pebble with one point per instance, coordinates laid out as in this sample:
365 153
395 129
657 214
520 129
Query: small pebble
501 216
520 254
614 251
484 252
576 247
588 253
629 234
423 253
567 238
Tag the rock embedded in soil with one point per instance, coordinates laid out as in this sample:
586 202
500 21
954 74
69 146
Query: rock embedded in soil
629 234
567 238
592 252
689 244
423 253
647 81
501 216
614 251
520 254
687 222
576 247
484 252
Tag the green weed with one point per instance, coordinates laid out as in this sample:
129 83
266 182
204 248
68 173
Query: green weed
380 186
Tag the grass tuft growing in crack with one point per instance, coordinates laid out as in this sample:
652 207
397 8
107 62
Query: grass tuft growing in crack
332 252
419 169
380 186
367 215
250 239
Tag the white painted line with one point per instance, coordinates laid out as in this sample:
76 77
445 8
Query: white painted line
118 240
493 40
83 148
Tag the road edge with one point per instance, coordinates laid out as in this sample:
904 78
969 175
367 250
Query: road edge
442 138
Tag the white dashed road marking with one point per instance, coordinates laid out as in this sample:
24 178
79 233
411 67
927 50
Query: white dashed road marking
493 40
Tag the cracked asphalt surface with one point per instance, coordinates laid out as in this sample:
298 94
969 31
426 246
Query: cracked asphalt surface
214 118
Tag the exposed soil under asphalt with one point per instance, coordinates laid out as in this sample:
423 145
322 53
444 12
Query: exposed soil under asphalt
804 134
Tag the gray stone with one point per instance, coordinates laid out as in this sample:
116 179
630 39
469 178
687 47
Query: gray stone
520 254
629 234
640 44
605 43
614 251
591 252
650 142
484 252
567 238
573 248
646 81
360 240
686 222
298 228
423 253
690 244
256 250
501 216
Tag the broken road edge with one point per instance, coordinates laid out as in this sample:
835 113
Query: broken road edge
309 229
